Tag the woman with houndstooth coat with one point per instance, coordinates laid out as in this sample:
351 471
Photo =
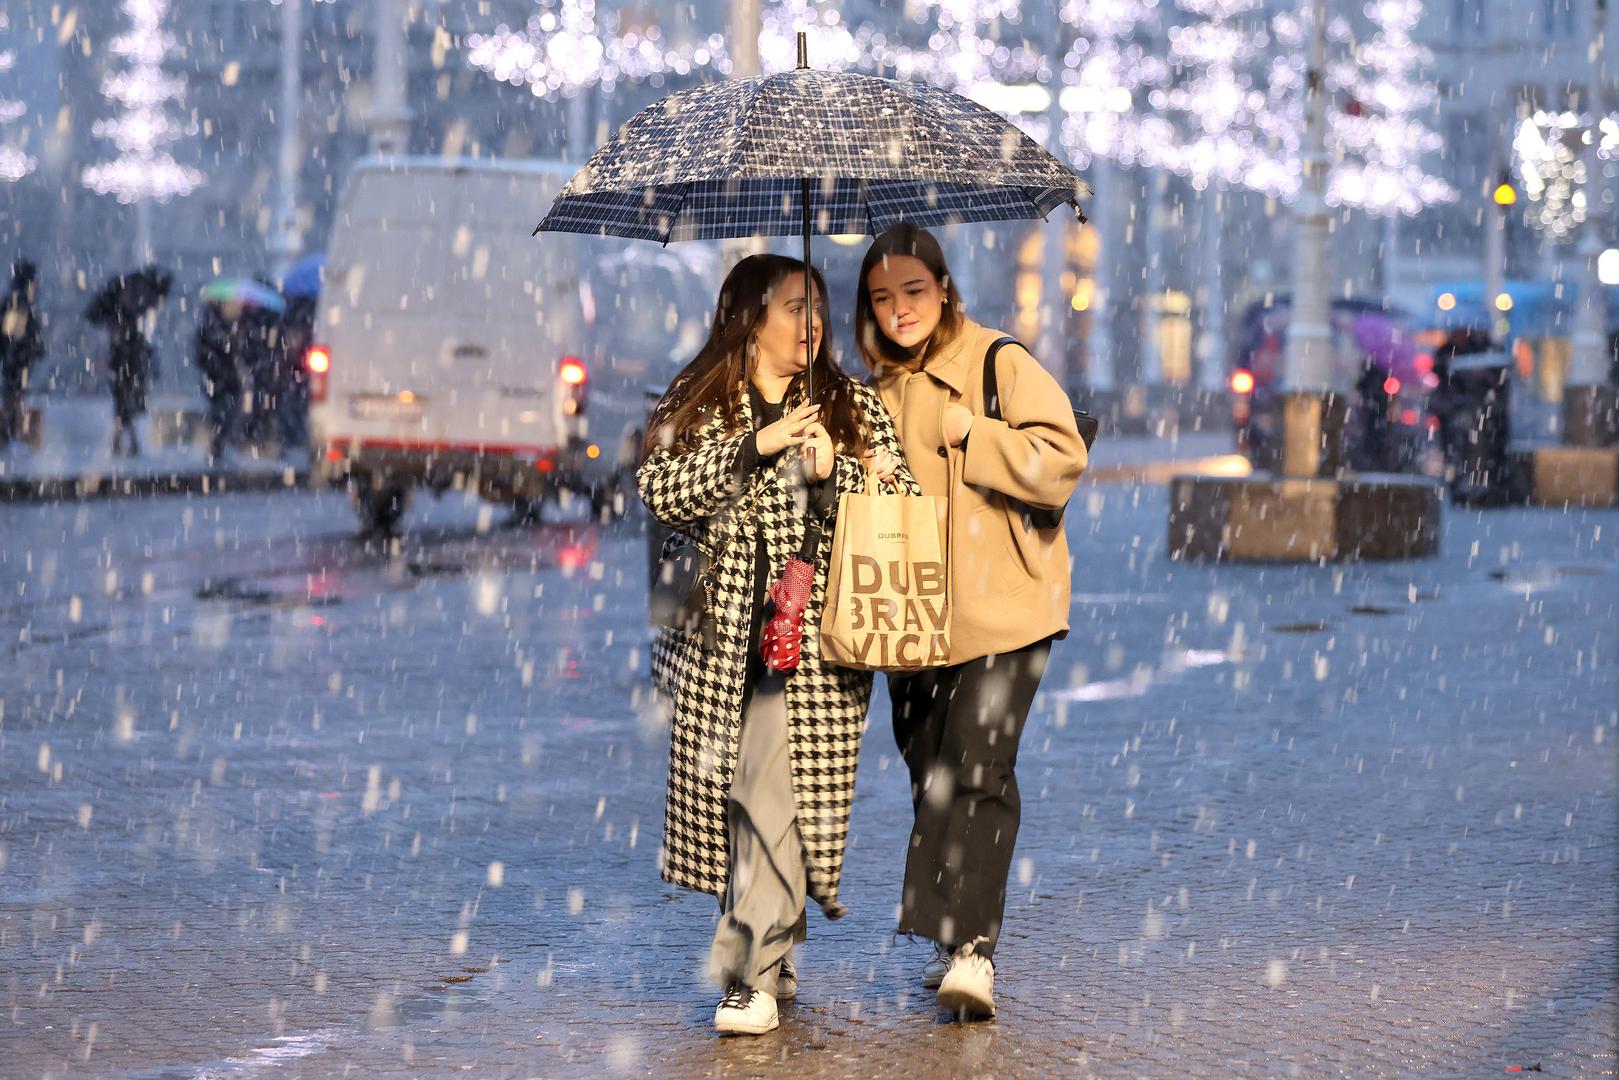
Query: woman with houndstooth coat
761 762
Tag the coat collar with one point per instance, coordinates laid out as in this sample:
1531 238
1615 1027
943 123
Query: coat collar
743 398
950 367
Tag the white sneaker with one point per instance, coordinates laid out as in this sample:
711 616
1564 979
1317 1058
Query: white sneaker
933 971
745 1011
968 989
786 980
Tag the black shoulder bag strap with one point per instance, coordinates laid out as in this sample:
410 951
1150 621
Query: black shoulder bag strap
1038 517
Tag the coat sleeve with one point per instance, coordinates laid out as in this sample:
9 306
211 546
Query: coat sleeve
884 437
849 471
681 489
1034 454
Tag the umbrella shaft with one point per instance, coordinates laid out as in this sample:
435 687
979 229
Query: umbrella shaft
809 284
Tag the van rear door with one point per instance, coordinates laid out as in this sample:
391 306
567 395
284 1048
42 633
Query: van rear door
520 309
446 326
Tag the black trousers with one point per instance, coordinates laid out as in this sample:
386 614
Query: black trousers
958 730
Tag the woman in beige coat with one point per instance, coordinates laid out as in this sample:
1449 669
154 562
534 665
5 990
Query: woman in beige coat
958 726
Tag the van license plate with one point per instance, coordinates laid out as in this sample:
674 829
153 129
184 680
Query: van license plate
385 407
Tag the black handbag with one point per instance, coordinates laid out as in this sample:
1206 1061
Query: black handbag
678 597
681 594
1088 426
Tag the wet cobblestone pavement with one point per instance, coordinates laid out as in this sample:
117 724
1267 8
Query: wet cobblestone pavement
273 801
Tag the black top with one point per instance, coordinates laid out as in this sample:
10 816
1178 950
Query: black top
822 504
765 413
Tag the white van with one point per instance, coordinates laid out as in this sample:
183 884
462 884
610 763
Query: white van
454 349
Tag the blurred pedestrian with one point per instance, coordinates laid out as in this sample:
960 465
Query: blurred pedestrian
762 761
260 356
292 381
1451 401
215 357
1007 472
121 307
1372 449
22 344
131 364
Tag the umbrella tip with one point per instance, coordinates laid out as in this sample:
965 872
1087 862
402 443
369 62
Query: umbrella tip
803 50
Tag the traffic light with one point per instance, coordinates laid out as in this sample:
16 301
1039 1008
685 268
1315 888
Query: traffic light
1505 194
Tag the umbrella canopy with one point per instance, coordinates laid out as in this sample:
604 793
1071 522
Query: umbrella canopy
304 277
743 157
245 292
1385 342
127 297
809 152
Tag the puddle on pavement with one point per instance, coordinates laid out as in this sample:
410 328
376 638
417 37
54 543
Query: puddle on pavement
1528 579
1175 662
257 594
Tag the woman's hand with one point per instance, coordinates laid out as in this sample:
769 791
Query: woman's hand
772 439
882 465
958 420
818 452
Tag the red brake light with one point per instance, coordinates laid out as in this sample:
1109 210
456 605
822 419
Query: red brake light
1391 386
573 371
318 360
1242 381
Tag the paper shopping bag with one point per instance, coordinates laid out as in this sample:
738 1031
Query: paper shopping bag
888 592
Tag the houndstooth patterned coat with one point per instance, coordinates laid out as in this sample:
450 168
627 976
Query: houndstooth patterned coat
698 493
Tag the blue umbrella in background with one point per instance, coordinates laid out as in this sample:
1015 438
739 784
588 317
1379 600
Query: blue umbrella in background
304 277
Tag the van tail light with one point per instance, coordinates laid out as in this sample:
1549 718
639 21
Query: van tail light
318 361
574 380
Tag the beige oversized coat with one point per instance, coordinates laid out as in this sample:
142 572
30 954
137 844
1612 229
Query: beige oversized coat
1009 581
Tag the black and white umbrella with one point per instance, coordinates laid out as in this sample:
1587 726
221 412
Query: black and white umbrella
809 152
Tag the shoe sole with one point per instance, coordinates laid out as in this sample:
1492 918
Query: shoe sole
746 1029
933 982
966 1005
786 995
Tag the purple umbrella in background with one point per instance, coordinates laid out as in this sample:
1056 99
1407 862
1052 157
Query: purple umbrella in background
1386 343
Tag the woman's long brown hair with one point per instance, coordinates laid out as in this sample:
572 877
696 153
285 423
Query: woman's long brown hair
877 348
712 384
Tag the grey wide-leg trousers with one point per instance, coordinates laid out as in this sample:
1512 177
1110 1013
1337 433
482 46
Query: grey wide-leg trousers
764 900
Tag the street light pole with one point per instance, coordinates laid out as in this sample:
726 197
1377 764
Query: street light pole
1502 196
579 133
745 25
1151 371
1211 345
1099 367
1312 413
1588 400
1055 350
390 117
284 238
143 231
